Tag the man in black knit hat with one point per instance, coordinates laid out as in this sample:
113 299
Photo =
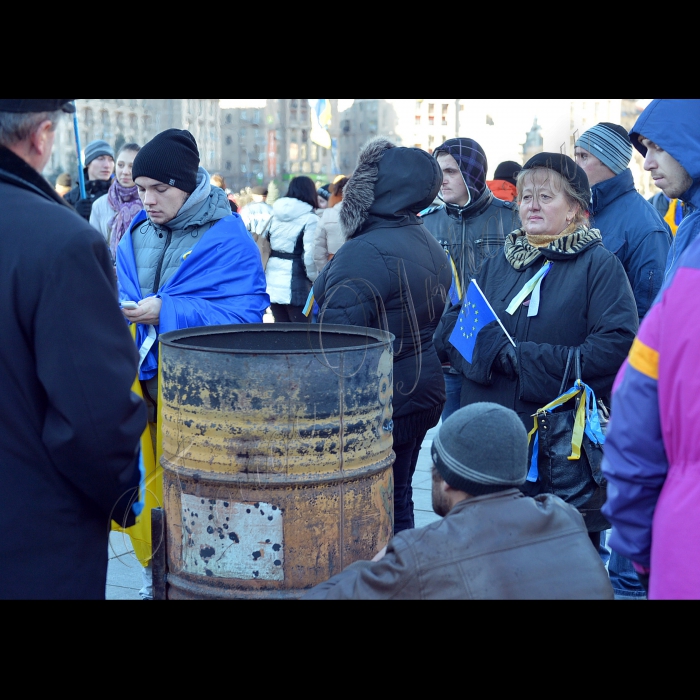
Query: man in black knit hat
493 542
185 261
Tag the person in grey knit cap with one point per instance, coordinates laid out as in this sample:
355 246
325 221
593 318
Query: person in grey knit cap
493 542
98 159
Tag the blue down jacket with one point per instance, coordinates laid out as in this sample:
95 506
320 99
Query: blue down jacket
632 229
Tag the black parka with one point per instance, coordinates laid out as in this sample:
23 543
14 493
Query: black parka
586 301
391 261
70 423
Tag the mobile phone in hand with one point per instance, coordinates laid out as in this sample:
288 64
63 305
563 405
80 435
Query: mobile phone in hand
129 305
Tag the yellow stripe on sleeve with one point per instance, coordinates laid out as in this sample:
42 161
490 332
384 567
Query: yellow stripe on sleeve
644 359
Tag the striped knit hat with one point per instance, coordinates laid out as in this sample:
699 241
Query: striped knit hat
482 448
609 143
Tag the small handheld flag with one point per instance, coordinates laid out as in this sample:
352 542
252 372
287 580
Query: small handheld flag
475 314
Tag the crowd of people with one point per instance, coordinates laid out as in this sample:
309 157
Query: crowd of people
585 291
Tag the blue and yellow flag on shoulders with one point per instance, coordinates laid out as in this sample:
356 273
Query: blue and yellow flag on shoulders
474 315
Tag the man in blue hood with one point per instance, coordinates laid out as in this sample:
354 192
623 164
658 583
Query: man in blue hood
471 226
667 134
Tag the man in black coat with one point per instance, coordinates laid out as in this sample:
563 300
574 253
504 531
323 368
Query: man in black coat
471 226
69 447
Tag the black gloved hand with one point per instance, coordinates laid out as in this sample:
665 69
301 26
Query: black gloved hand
506 362
84 208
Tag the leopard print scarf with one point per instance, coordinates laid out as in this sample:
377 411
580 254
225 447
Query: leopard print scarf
520 253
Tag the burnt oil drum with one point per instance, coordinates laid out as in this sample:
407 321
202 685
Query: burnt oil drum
277 456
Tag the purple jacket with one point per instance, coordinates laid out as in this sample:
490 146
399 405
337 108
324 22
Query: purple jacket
652 452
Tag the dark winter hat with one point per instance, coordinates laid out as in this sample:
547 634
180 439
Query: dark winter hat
471 160
325 191
566 167
482 448
508 171
95 149
26 106
171 157
609 143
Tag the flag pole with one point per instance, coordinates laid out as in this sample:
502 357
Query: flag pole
512 342
81 174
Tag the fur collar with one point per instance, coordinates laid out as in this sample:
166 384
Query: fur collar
358 195
16 170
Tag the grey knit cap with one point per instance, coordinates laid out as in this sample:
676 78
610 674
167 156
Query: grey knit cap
482 448
609 143
95 149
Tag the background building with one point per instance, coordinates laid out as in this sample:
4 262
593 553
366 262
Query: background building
252 142
124 121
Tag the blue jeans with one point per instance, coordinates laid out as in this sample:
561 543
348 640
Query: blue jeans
453 389
624 579
603 549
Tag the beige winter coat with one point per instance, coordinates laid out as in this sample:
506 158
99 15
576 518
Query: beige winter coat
328 236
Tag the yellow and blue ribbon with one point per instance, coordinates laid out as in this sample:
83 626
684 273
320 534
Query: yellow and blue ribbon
586 421
455 288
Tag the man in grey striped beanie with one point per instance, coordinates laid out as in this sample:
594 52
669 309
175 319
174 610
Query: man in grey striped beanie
610 146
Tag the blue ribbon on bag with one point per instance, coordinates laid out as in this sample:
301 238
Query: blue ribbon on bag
591 426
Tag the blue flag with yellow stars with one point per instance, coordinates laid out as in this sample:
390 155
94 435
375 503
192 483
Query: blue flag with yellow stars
474 315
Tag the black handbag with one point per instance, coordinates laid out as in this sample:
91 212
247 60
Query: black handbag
573 474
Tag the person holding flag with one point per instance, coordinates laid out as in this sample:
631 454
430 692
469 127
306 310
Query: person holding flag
555 288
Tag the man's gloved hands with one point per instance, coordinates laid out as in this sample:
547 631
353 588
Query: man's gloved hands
506 362
84 208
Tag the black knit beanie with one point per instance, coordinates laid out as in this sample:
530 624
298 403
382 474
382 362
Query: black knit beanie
482 448
171 157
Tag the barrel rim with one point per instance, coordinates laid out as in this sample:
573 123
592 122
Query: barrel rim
382 338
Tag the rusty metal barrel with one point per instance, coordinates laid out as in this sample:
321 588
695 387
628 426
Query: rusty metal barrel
277 456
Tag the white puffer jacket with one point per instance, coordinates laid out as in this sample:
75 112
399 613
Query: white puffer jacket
289 217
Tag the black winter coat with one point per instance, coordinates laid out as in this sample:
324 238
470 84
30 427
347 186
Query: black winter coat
392 262
93 189
586 302
70 423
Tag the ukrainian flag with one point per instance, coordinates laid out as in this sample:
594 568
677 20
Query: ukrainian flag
320 120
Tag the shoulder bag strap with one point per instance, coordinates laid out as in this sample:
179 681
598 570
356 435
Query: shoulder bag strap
567 371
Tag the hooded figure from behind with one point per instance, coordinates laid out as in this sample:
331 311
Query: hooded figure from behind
392 274
674 126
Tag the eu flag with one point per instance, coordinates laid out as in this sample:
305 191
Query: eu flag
474 315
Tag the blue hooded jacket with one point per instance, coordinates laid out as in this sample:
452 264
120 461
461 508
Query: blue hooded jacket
221 282
675 126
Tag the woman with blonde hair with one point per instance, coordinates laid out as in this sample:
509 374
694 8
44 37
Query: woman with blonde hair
554 288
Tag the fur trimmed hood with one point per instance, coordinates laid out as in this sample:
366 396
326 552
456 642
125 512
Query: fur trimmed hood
390 182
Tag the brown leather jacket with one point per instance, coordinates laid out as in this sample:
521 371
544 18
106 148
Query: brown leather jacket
502 546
